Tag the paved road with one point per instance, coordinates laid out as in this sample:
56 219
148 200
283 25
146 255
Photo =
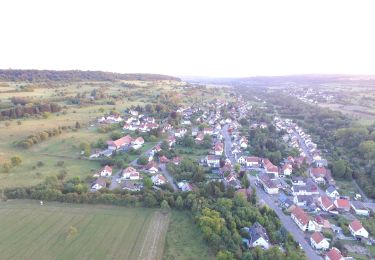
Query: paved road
227 144
287 221
168 176
114 184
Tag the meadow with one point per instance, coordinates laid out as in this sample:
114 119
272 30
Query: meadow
66 231
74 231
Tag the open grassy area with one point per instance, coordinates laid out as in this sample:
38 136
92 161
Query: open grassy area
184 240
68 231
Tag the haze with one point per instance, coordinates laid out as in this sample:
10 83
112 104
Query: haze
210 38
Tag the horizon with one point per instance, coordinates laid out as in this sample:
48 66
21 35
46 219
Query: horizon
212 39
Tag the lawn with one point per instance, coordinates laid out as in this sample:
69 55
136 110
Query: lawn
184 240
68 231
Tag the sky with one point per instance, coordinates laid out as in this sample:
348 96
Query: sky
202 38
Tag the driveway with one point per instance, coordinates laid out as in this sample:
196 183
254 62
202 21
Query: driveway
287 221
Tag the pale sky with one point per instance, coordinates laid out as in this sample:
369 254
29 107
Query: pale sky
192 37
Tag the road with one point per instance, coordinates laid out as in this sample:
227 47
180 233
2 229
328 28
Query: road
287 221
168 176
227 144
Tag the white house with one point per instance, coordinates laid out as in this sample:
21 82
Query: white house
357 230
359 208
302 219
99 184
106 171
130 174
318 241
213 161
158 179
258 236
332 192
287 169
268 185
151 167
334 254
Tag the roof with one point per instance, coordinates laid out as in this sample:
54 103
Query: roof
257 231
129 169
331 189
319 171
219 147
301 215
252 159
326 202
101 182
122 141
334 254
317 237
267 181
356 225
212 157
342 203
358 205
107 168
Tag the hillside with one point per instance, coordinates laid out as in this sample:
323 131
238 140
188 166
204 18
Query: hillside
76 75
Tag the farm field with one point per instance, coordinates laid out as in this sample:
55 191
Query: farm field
68 231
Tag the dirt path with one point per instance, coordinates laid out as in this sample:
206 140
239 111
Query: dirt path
153 245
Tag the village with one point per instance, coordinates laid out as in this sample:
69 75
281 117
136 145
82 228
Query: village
300 189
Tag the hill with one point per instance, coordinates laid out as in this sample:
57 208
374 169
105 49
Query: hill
76 75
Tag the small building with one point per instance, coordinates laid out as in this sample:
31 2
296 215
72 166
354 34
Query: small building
334 254
158 179
357 230
332 192
326 203
318 241
106 171
342 204
130 174
359 209
302 219
99 184
213 161
258 236
152 167
268 185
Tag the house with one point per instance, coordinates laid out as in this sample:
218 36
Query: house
318 241
357 230
163 159
176 160
208 131
232 180
302 219
342 204
131 185
270 168
303 200
287 169
179 133
258 236
252 161
152 167
298 181
99 184
184 186
219 149
321 175
171 140
322 222
213 161
326 203
158 179
199 138
334 254
119 143
309 189
332 192
137 143
359 209
130 174
106 171
268 185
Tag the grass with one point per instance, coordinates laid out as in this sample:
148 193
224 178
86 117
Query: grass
68 231
184 240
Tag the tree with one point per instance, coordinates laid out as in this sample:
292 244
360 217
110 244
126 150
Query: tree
179 202
147 183
224 255
367 150
6 167
143 160
16 160
164 207
78 125
339 168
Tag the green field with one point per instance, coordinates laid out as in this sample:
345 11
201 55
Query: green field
31 231
184 240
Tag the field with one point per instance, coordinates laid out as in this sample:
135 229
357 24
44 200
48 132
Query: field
65 231
184 240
